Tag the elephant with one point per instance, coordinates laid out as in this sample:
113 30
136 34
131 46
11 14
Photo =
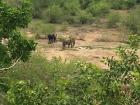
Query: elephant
52 38
68 41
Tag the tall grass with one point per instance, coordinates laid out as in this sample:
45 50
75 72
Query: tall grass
113 20
131 21
41 29
38 69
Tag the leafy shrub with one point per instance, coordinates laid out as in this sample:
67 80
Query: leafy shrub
113 19
131 22
85 3
38 7
136 87
85 17
63 81
116 84
38 69
82 86
74 89
99 9
36 10
4 84
122 4
53 14
71 19
71 7
78 82
22 93
40 27
130 3
13 18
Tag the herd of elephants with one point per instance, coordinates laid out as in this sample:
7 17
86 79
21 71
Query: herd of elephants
69 41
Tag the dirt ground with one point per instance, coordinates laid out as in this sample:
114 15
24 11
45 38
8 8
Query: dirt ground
92 44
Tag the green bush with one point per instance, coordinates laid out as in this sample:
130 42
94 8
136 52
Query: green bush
113 20
84 3
99 9
71 19
38 69
62 79
118 82
38 7
131 22
78 82
53 14
23 93
71 7
122 4
40 27
85 17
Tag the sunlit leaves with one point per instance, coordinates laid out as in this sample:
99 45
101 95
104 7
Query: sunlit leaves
12 18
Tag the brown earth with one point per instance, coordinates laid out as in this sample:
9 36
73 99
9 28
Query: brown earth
92 44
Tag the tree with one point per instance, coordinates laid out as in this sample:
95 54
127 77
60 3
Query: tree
119 85
17 47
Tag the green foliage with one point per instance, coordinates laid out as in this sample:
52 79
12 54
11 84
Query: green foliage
4 84
20 47
38 69
136 87
78 82
38 6
22 93
131 22
99 9
82 85
74 83
53 14
71 7
134 41
12 18
113 20
62 79
40 27
117 83
85 3
122 4
85 17
74 89
59 11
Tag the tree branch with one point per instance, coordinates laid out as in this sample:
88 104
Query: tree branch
7 68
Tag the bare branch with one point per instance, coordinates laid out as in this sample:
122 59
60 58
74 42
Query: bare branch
3 69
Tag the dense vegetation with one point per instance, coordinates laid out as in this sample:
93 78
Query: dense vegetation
41 82
73 12
76 11
17 47
87 12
